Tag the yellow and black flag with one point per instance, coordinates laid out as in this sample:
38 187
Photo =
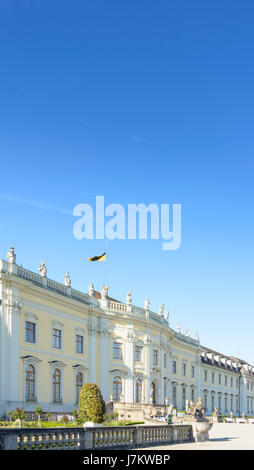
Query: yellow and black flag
98 258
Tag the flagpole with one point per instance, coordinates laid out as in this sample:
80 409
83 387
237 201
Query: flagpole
106 264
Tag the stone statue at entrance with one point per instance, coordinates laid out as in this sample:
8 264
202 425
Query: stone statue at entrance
200 423
198 410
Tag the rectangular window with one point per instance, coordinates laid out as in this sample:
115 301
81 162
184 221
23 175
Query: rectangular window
155 357
205 375
138 353
213 377
79 344
226 380
219 379
165 360
231 382
192 371
117 350
183 368
174 367
30 332
56 338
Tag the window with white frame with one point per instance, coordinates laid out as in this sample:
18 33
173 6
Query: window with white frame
205 375
138 353
79 344
79 383
56 385
192 371
138 391
117 350
155 357
213 377
56 338
183 368
30 332
174 366
117 388
30 383
165 360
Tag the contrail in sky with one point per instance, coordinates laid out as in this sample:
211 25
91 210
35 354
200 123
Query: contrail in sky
39 205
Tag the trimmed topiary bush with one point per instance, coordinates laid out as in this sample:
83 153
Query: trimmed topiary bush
91 403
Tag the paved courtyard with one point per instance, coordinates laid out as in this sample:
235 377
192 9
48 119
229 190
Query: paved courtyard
223 436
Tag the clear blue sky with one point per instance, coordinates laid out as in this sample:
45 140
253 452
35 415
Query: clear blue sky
139 101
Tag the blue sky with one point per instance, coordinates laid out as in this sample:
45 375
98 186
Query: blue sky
139 101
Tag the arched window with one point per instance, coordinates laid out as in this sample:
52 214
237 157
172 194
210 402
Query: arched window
213 402
79 383
205 400
56 386
219 398
153 392
174 397
183 398
138 390
30 383
117 388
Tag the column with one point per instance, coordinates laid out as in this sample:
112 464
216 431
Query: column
243 394
130 367
161 401
92 351
169 388
104 360
14 308
198 367
4 353
147 369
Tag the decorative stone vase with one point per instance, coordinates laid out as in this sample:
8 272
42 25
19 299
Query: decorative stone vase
200 430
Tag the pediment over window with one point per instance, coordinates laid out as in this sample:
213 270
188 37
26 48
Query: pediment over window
117 371
31 359
81 367
57 363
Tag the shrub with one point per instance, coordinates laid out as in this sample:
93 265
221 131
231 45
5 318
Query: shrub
64 420
91 403
38 411
18 414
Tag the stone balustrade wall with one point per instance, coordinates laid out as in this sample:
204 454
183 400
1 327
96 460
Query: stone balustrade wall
93 438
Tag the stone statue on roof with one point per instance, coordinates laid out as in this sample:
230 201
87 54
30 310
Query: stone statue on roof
42 269
11 255
67 280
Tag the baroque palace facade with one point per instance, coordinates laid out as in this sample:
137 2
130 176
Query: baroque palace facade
54 338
